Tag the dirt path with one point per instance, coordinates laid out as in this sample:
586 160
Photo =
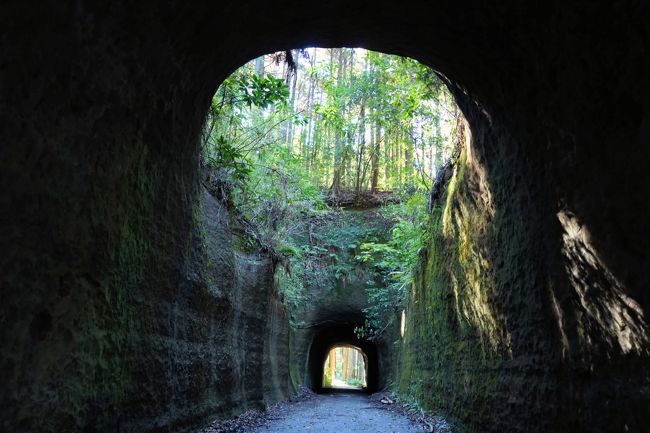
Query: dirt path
338 413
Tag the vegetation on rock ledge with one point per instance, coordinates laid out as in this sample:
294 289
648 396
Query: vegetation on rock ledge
295 136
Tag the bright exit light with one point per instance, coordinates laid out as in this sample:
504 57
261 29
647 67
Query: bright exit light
345 368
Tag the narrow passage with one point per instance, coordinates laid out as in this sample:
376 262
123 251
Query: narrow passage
338 413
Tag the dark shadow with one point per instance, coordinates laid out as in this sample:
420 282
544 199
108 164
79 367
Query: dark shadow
360 391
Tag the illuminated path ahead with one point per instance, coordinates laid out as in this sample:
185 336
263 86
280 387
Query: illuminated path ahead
338 413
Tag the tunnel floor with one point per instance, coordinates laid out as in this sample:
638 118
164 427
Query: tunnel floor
338 413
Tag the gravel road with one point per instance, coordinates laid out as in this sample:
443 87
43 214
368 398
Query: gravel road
337 413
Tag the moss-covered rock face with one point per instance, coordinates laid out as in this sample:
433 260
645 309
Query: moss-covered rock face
514 323
332 293
456 337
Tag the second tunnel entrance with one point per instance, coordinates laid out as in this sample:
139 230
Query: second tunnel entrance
335 339
344 368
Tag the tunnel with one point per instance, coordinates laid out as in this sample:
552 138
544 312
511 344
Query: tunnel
339 335
124 306
345 367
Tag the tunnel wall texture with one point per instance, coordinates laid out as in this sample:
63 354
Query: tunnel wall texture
107 323
514 323
334 291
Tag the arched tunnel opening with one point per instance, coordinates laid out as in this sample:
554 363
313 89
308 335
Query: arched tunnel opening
350 239
126 305
341 336
345 367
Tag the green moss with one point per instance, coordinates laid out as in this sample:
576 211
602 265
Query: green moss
454 342
294 375
324 269
102 329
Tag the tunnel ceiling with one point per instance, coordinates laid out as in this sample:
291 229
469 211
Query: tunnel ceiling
530 67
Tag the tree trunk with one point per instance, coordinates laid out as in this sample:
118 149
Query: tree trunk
376 150
338 144
388 160
309 139
408 156
259 66
350 352
292 102
361 147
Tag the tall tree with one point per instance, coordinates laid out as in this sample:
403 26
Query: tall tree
357 120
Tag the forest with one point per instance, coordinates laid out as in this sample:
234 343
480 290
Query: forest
297 135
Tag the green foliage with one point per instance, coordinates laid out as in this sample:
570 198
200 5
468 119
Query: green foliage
261 91
354 382
327 377
230 159
242 90
245 88
278 141
323 257
395 260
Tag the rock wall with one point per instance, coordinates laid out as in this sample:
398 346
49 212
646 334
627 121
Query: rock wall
218 345
514 322
204 337
123 304
334 291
